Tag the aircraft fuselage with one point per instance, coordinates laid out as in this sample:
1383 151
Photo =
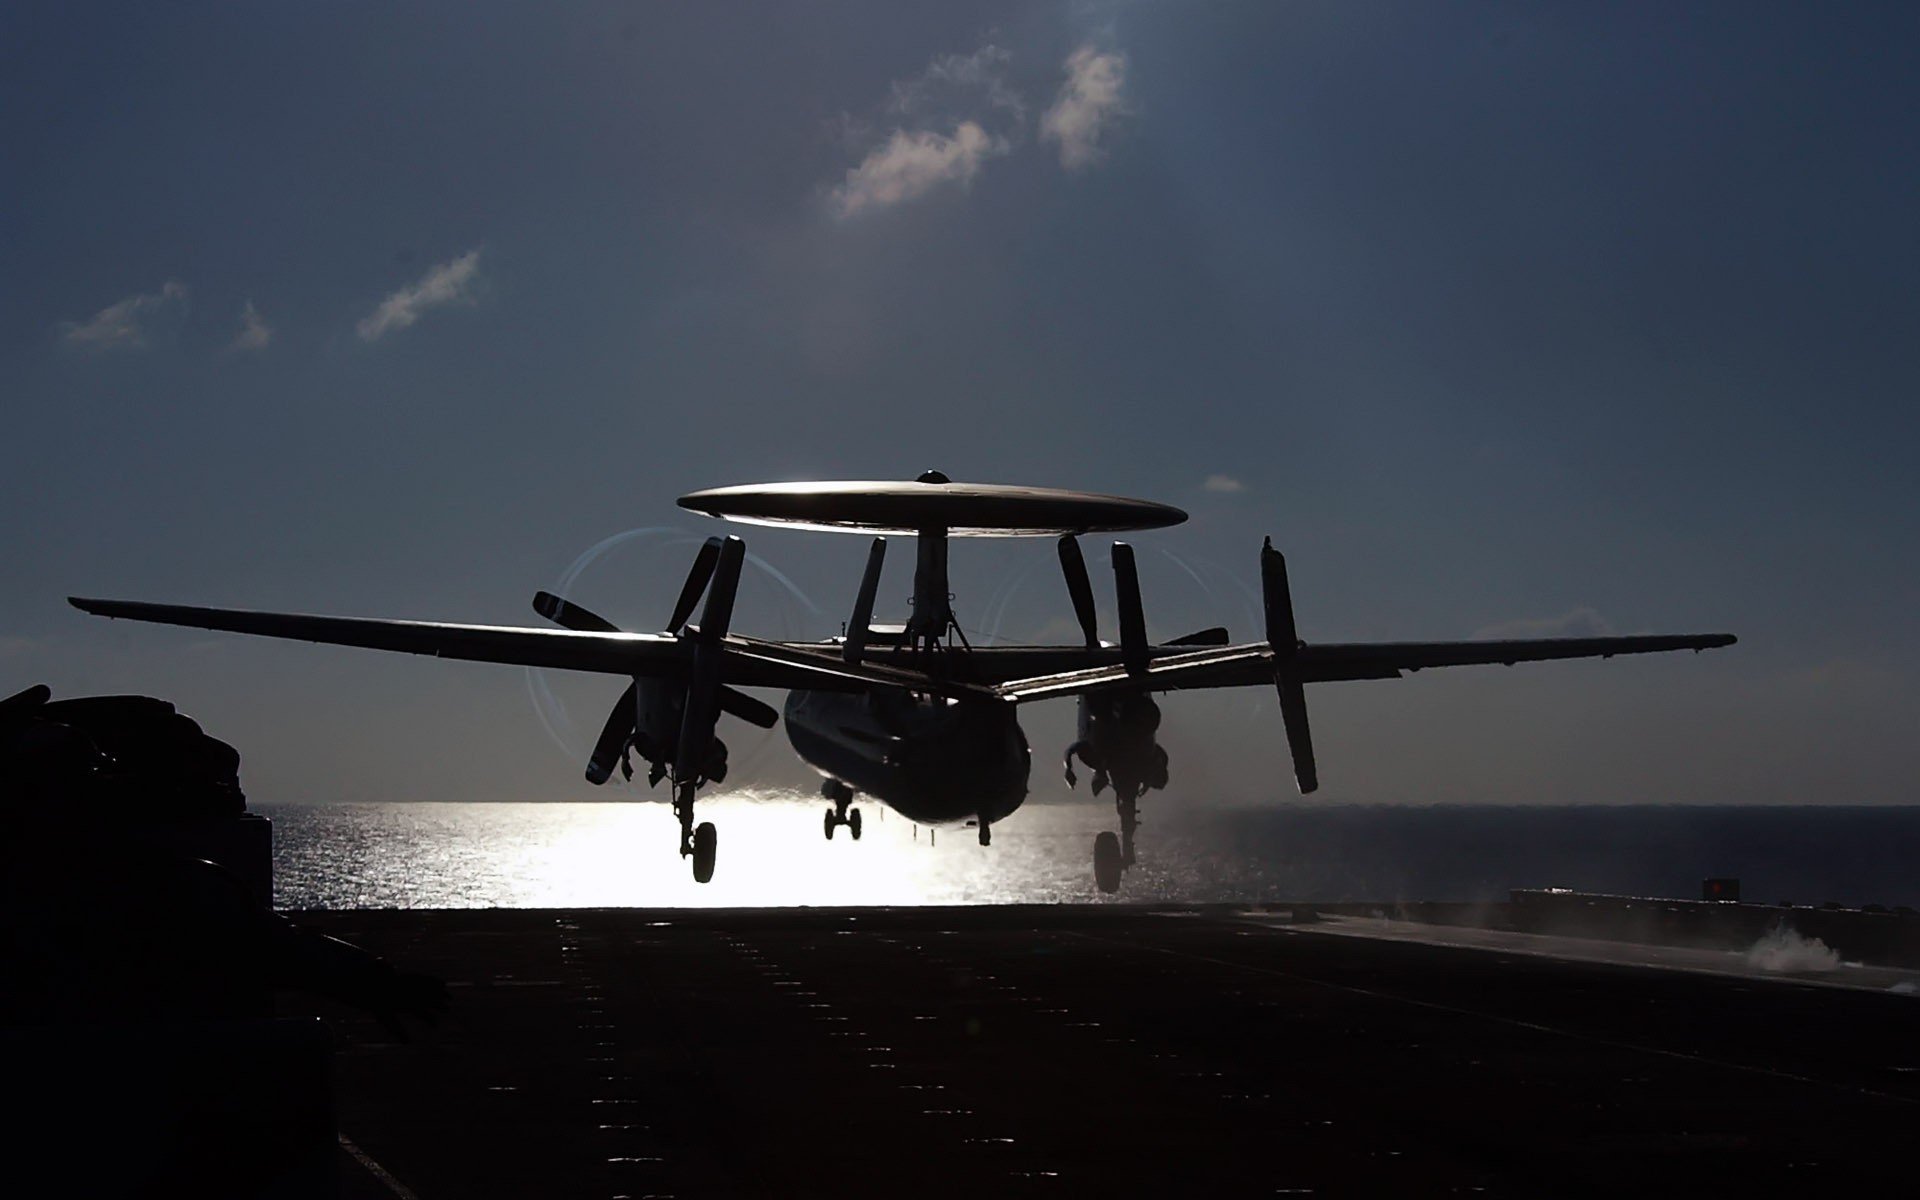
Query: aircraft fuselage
933 761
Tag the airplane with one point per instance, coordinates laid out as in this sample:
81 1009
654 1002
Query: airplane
911 714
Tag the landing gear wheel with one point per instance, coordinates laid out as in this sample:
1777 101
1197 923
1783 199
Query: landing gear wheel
706 843
841 795
1106 862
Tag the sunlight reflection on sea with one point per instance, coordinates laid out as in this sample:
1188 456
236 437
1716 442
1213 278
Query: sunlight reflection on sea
772 852
622 854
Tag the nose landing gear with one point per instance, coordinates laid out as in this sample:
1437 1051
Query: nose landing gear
840 814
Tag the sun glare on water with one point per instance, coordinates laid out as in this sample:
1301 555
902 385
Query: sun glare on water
559 855
772 852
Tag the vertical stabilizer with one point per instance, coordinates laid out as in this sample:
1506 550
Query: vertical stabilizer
1283 636
855 647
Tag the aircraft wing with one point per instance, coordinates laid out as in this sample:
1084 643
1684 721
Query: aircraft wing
748 663
850 676
1253 663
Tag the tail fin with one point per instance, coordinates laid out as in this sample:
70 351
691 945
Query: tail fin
1284 638
856 644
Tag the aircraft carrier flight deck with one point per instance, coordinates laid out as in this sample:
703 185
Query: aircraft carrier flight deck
1103 1051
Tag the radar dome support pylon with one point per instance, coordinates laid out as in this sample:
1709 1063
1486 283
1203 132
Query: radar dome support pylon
932 508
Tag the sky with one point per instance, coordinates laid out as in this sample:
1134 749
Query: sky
1501 319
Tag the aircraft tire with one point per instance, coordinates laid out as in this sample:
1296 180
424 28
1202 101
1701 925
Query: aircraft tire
828 824
853 824
1106 862
706 845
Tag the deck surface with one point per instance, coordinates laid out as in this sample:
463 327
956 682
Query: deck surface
1013 1052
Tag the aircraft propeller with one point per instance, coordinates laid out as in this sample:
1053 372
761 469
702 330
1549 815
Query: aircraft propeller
703 564
1074 565
1127 579
609 749
701 710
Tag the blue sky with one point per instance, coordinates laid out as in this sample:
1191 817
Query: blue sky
1496 317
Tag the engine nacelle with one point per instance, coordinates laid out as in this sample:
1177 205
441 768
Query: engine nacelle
1117 743
660 708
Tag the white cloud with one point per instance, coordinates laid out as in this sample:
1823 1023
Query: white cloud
1581 622
254 333
1223 483
1087 105
449 283
946 77
965 93
910 164
124 326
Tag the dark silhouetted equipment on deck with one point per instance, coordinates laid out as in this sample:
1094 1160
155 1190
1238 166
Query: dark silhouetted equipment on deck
137 1005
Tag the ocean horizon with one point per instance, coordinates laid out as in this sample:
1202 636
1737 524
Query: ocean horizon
554 854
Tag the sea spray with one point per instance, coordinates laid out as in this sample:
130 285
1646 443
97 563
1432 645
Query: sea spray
1787 951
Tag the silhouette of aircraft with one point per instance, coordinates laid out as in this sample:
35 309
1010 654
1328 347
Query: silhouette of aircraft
911 714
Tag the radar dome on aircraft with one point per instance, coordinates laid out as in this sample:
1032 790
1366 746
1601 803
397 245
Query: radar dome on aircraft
932 503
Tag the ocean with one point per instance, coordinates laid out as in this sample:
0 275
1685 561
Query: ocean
772 853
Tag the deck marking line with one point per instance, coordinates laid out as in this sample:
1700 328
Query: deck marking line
400 1190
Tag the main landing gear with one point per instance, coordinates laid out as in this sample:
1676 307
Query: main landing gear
700 843
1131 775
840 814
1113 855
